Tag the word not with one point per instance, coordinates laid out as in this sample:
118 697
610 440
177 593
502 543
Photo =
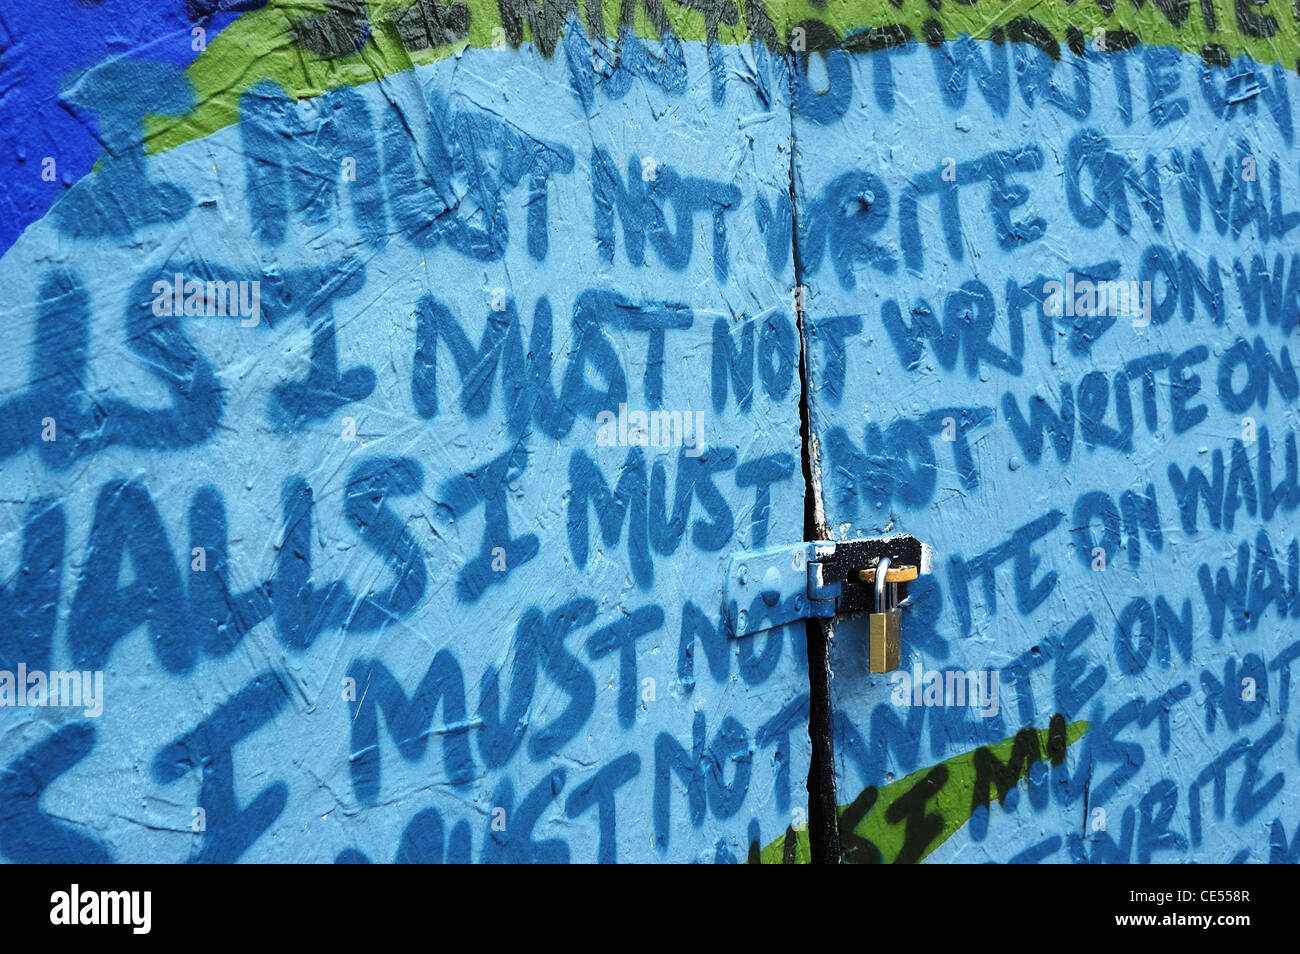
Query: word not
196 299
655 429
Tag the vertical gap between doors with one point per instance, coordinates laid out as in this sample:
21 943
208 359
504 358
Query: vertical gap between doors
823 827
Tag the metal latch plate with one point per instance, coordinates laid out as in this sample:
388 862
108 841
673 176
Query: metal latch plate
809 580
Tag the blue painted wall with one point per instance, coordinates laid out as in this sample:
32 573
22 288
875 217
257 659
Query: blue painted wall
368 575
1111 500
438 617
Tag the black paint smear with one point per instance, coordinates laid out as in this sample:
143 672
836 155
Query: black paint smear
1176 11
1215 55
1120 40
1004 776
1056 740
654 11
857 849
427 24
1075 39
789 848
545 21
340 32
198 11
880 38
818 37
760 25
1028 30
920 827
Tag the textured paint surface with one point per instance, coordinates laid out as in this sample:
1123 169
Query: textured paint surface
581 685
374 569
43 49
356 43
906 820
1112 500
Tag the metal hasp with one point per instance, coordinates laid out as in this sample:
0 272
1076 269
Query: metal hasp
813 580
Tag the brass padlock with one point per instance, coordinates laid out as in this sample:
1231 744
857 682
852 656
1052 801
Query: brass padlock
884 623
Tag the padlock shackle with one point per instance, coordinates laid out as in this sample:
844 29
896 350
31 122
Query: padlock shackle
882 569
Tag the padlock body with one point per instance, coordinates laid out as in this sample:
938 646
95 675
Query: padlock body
883 648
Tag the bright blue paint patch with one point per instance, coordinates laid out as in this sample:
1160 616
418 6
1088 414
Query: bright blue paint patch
47 46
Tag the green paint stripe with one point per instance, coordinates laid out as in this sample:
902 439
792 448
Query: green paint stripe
952 802
774 854
259 45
